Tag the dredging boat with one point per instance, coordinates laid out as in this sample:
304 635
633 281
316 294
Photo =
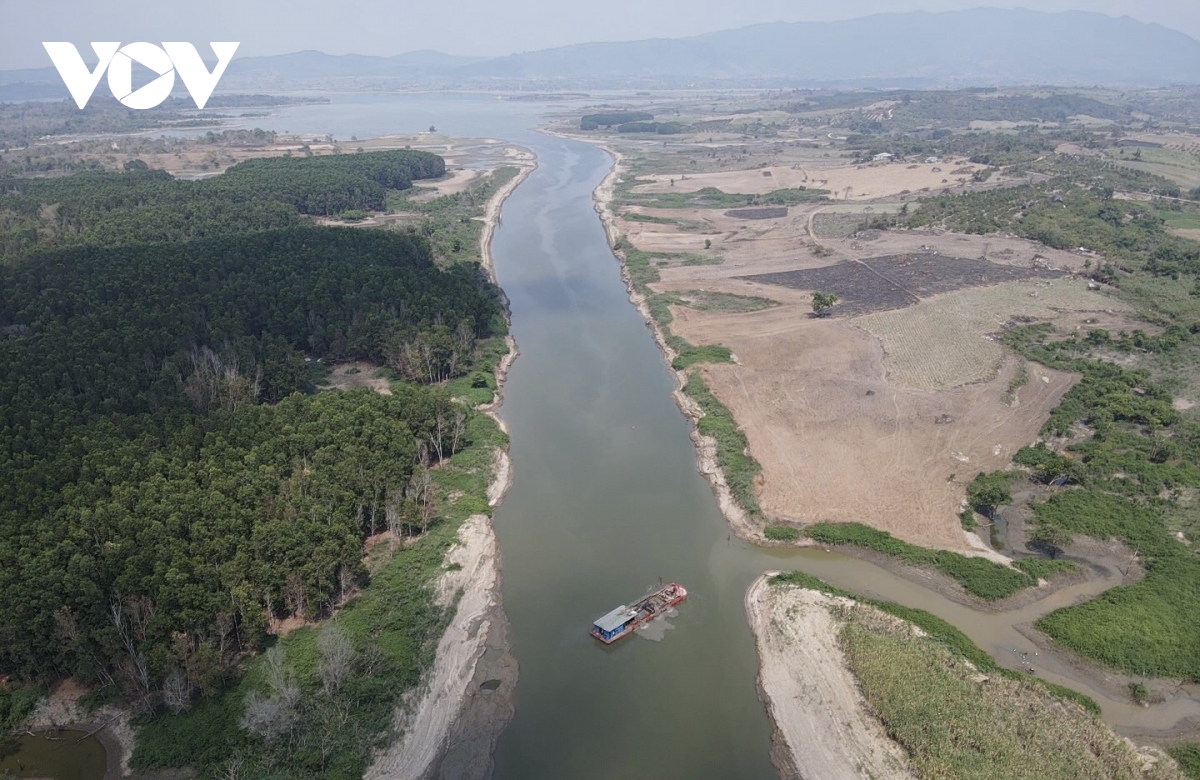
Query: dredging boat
626 620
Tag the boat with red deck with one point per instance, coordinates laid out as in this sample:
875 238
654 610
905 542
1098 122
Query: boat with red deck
625 620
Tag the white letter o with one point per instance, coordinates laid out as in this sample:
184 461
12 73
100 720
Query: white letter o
120 75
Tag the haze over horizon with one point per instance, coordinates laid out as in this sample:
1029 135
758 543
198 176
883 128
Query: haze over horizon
465 27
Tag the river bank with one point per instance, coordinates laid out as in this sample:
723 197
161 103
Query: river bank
837 672
823 727
706 446
1101 565
111 726
450 725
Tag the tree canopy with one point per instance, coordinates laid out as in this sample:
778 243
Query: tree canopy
171 482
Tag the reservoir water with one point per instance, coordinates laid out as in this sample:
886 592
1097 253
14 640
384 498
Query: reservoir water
607 499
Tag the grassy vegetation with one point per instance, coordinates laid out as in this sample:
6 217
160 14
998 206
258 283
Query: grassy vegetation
1148 628
938 631
393 626
478 387
741 471
713 198
690 356
1135 473
451 222
782 533
954 725
1180 220
1188 756
16 705
1043 569
706 300
979 576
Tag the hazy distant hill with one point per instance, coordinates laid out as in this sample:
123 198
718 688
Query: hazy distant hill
982 46
976 47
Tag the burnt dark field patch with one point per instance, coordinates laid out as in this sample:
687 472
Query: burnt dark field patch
768 212
896 281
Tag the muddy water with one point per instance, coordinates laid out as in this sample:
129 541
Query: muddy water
63 755
607 501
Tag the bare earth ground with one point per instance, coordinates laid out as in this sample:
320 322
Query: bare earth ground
844 415
823 728
845 182
949 340
838 442
359 373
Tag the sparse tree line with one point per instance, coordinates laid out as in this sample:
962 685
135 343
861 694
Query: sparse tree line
1065 215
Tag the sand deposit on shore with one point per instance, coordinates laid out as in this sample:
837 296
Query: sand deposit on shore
424 723
820 716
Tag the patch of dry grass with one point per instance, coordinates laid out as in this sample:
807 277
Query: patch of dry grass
957 723
942 342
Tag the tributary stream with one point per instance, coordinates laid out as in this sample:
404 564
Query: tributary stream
607 499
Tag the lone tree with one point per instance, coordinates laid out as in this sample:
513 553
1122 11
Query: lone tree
1052 539
823 302
989 491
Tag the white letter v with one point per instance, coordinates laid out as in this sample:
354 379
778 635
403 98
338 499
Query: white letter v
79 80
199 82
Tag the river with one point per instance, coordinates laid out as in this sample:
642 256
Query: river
607 499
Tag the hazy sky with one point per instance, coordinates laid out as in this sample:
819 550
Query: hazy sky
481 27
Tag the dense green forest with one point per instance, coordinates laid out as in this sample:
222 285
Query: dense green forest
140 206
129 394
174 486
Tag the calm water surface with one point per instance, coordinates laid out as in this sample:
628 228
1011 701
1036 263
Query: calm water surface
63 755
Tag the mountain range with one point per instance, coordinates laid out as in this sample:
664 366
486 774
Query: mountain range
979 47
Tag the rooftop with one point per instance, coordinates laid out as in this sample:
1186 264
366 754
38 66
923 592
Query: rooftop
614 620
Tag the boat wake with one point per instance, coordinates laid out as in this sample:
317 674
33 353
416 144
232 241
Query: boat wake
656 630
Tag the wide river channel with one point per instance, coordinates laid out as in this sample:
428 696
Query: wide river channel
607 499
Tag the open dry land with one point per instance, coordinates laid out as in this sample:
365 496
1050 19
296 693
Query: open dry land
845 182
839 442
883 411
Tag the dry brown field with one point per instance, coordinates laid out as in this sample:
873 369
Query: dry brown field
882 412
840 442
844 181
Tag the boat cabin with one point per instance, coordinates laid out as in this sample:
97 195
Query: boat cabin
613 624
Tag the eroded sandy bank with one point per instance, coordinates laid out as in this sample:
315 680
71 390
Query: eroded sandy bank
823 728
